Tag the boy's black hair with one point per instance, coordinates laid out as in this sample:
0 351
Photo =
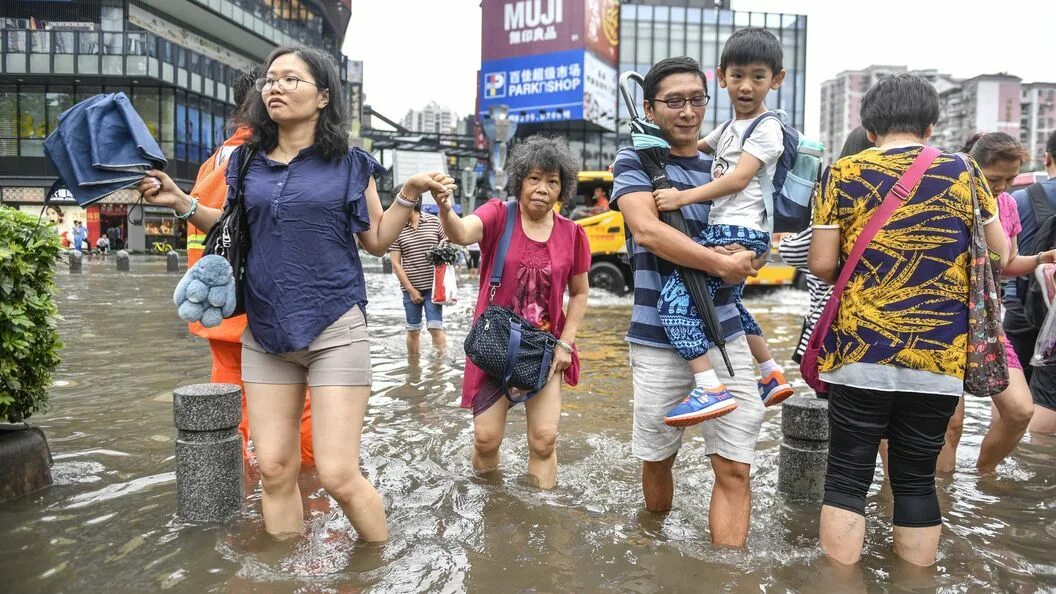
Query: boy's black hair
1050 145
665 68
902 103
752 45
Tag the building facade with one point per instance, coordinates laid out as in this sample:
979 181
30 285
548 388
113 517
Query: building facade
984 103
175 59
648 31
841 100
1037 119
432 118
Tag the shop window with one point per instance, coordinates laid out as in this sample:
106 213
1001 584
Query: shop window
8 121
32 123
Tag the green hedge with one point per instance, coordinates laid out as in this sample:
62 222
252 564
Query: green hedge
29 344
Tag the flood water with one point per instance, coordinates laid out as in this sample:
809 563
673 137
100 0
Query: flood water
108 522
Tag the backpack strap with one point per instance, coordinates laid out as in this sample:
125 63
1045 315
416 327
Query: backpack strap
765 183
498 262
759 120
1039 200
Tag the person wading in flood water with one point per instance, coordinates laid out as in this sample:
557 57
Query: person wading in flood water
305 292
661 378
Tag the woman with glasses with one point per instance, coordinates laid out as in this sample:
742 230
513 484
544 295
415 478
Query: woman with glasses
306 194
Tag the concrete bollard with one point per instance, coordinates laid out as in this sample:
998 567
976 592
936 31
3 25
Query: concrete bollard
209 473
172 262
386 264
25 461
75 261
122 261
804 449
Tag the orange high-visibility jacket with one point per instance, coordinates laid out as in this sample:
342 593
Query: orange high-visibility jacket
210 187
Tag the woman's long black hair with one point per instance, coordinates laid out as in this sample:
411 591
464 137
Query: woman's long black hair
331 130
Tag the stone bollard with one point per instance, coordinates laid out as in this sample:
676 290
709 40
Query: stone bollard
209 472
122 261
386 264
172 262
75 261
804 449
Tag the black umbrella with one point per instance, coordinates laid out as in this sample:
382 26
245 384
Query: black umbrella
653 150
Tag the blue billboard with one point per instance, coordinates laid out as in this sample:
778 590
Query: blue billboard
539 88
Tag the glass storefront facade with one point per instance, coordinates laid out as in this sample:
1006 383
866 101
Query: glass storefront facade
188 126
650 33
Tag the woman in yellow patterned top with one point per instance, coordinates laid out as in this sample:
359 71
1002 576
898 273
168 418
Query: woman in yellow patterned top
895 355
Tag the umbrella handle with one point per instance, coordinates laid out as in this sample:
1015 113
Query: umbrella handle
626 92
726 359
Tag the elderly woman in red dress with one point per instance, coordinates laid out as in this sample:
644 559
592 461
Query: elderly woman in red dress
547 255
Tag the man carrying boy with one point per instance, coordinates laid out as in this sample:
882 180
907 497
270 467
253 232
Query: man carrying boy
675 92
746 149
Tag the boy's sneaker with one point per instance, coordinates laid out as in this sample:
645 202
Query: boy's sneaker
774 389
701 406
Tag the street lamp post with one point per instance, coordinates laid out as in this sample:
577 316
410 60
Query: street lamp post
500 130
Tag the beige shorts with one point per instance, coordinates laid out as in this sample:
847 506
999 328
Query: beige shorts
661 379
340 356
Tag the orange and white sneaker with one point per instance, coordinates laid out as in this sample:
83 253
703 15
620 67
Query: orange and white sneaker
774 389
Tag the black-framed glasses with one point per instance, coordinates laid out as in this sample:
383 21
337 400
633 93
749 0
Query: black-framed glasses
286 83
680 102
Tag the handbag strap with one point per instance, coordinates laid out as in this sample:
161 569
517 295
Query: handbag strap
240 191
898 194
498 262
512 352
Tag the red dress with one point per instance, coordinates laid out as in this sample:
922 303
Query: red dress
534 280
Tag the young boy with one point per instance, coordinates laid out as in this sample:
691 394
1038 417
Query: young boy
749 68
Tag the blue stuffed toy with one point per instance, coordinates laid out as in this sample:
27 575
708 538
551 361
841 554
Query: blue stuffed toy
206 293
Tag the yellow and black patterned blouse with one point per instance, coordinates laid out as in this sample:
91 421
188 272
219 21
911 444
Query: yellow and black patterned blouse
903 320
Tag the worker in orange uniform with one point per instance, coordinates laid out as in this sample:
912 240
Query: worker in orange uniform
225 340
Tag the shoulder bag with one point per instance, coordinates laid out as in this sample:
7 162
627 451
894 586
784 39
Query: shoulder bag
229 236
503 344
986 369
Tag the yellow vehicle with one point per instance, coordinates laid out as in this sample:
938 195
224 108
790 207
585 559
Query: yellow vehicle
610 266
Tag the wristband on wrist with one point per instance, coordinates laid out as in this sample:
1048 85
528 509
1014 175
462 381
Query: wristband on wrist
564 345
405 201
189 213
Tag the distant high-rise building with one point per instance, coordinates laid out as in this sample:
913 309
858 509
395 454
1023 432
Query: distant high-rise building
841 100
432 118
984 103
1037 119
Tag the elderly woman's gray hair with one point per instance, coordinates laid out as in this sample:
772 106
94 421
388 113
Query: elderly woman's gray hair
548 154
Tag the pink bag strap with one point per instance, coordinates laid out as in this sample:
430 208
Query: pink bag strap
898 194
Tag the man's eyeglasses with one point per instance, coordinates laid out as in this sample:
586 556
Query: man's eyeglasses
286 83
680 102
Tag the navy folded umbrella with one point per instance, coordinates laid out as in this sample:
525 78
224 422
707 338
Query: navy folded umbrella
101 145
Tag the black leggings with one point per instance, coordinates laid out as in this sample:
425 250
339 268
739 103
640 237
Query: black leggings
915 427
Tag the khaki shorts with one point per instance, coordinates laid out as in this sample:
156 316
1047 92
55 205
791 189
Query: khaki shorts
662 379
340 356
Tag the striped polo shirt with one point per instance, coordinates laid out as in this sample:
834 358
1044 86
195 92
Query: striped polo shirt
414 246
651 272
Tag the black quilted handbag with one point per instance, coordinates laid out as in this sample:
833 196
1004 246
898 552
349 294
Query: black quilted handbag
229 236
503 344
510 349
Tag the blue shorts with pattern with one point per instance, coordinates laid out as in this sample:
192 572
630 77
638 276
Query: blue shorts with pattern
679 316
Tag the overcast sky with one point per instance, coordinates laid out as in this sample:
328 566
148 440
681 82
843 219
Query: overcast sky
415 51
